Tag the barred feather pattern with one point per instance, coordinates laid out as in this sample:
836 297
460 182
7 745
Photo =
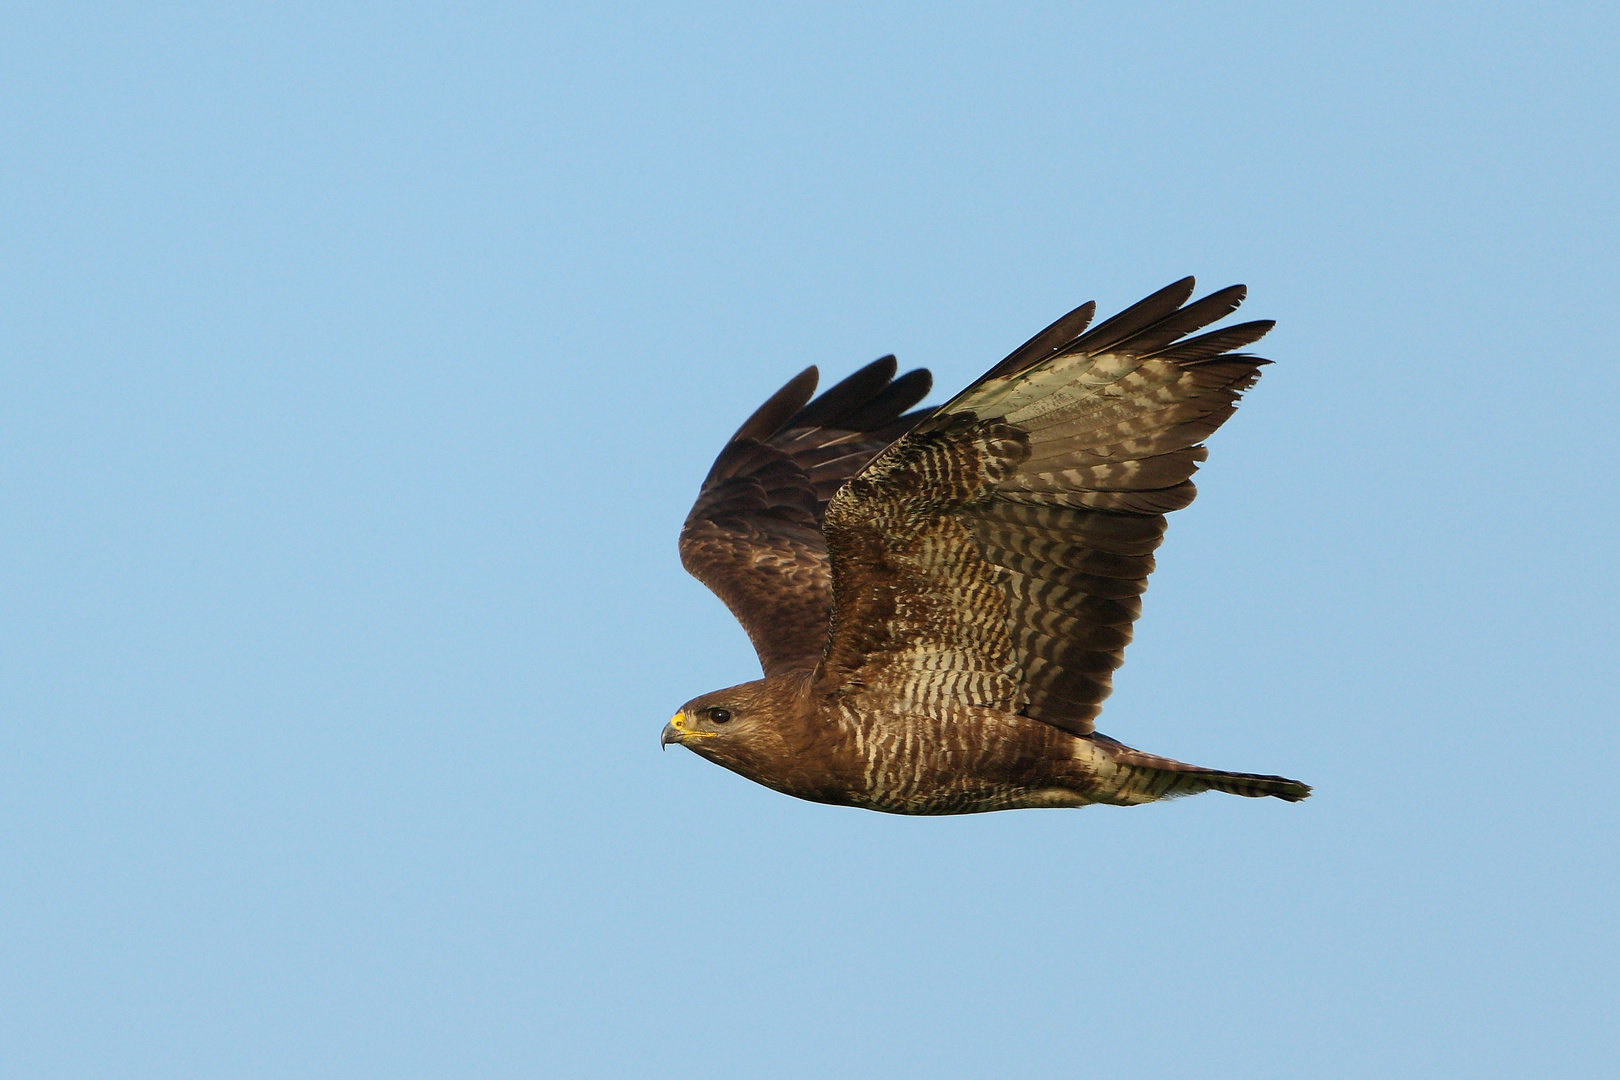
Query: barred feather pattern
940 599
1130 777
1057 470
913 762
917 612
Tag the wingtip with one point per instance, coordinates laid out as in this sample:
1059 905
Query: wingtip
769 417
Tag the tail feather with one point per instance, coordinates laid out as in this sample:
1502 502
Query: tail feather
1140 778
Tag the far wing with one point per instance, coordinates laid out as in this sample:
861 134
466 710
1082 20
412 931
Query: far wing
997 554
754 534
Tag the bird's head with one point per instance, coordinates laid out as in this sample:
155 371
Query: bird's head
742 727
723 717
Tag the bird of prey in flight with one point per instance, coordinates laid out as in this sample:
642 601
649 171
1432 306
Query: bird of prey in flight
939 597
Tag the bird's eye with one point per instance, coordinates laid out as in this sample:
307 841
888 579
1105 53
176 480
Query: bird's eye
719 716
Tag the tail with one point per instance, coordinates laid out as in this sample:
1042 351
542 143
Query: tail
1141 778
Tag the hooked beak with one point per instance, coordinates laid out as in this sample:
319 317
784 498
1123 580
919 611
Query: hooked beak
673 732
676 731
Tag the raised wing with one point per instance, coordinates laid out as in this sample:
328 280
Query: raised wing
754 534
997 554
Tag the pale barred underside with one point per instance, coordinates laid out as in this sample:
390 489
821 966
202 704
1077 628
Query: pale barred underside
996 555
919 616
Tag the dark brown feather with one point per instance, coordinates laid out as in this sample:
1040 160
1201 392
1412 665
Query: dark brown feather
1224 340
1057 338
754 534
1134 319
769 418
1178 324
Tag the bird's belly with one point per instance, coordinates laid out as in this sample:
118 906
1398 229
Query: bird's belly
960 764
973 800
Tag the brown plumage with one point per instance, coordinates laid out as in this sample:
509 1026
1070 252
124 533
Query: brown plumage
939 598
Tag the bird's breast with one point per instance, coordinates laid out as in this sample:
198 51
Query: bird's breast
948 762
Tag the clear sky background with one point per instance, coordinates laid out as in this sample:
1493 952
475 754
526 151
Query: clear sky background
361 361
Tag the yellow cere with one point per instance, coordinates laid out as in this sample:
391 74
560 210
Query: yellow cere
678 722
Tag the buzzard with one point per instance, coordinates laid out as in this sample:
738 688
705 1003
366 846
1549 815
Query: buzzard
939 597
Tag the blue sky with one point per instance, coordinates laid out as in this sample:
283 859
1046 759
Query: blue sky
361 362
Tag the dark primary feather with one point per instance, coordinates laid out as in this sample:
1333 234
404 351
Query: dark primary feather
1049 342
996 555
768 419
754 534
1138 316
